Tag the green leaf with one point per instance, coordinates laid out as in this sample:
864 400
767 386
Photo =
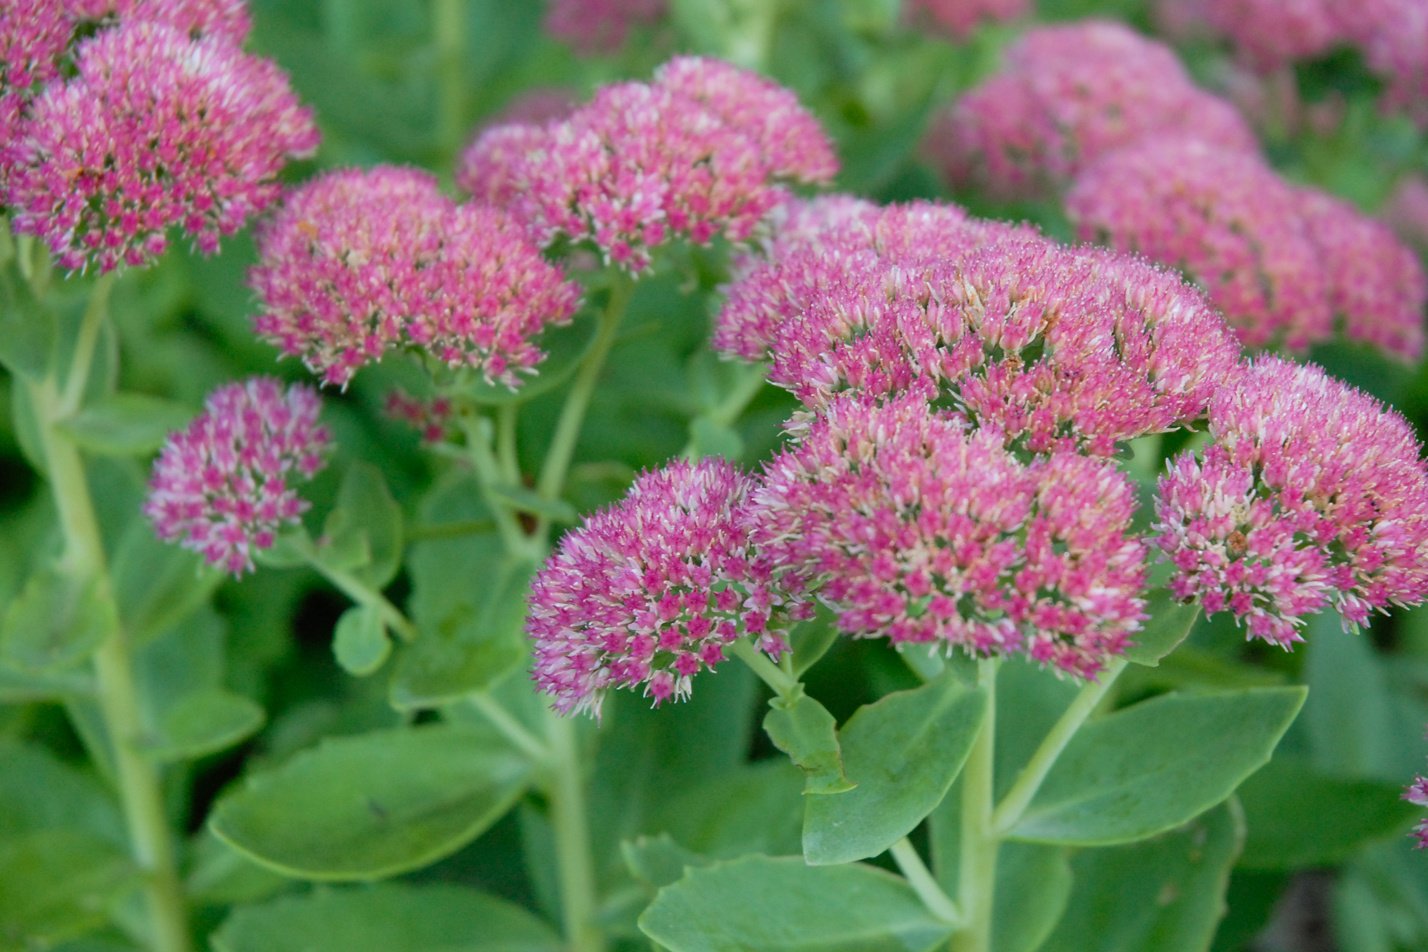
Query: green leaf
1349 718
18 687
57 884
471 649
27 328
126 424
1033 887
1153 766
218 875
157 584
712 438
803 729
204 722
1169 624
288 551
1162 895
781 905
658 861
56 623
390 917
360 642
1299 817
529 501
903 752
39 791
365 507
375 804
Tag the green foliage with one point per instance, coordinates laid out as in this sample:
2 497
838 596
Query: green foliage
805 731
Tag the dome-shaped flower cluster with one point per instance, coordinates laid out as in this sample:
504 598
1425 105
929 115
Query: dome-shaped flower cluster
1311 494
1068 95
360 261
155 129
223 486
700 151
913 529
650 591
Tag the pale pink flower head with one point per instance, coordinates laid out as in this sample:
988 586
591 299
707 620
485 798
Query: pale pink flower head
223 487
1376 284
600 26
651 590
911 528
958 18
1052 349
34 34
1270 34
361 261
1224 218
1068 95
156 129
1393 35
1311 494
702 151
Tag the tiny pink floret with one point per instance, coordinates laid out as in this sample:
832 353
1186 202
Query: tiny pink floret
223 486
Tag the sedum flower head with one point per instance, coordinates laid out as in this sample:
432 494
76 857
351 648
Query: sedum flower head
223 486
1050 348
1226 219
701 151
650 591
913 528
155 129
1068 95
958 18
225 18
600 26
360 261
1311 494
1271 34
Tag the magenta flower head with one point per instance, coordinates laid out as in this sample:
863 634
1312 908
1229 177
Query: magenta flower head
958 18
912 528
651 590
1053 349
226 18
702 151
1226 219
1270 34
223 487
1067 96
155 129
1376 284
1311 494
600 26
360 261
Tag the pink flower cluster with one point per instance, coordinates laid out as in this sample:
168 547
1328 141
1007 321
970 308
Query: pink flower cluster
1282 263
1417 793
360 261
431 417
600 26
650 591
958 18
699 152
1311 494
914 529
221 487
1066 96
155 129
226 18
1053 349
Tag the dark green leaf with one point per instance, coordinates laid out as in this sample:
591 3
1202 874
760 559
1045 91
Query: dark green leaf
1298 817
365 505
1169 624
56 623
1349 717
204 722
38 791
1152 767
57 884
903 752
1163 895
157 584
375 804
781 905
126 424
387 918
803 729
1033 887
27 328
658 861
360 642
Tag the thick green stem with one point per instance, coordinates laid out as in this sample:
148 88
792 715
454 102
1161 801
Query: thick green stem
488 474
506 453
150 839
920 878
576 867
572 416
977 870
448 21
783 683
513 729
1014 804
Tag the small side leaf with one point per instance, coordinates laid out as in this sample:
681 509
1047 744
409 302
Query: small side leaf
57 884
375 804
1169 624
1156 765
204 722
782 905
903 752
658 861
360 643
803 729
